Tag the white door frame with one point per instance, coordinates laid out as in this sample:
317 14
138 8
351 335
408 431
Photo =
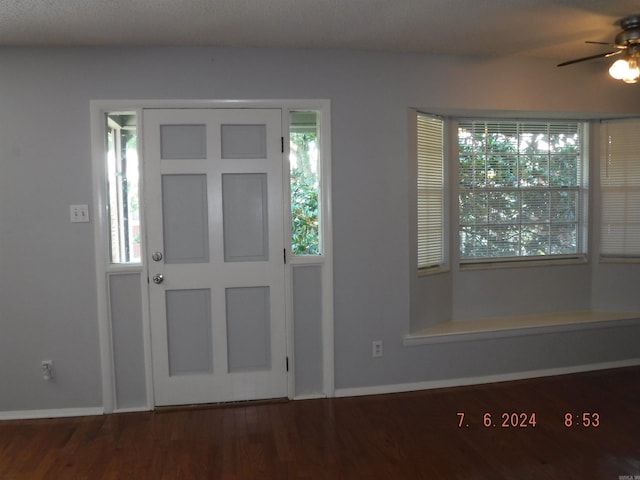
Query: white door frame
104 269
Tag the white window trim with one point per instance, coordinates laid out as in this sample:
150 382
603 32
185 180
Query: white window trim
578 258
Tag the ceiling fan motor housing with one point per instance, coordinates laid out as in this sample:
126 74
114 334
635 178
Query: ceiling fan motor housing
630 34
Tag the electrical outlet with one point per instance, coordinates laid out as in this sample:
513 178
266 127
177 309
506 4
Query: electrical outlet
47 369
377 348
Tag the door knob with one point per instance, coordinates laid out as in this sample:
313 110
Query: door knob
158 278
156 256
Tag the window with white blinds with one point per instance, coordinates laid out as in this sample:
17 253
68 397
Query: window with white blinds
430 191
521 189
620 188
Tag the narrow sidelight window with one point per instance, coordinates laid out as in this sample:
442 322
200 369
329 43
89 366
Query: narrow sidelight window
304 160
123 194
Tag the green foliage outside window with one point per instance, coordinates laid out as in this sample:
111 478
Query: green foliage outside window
305 235
519 189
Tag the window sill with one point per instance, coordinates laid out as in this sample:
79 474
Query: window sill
426 272
536 262
620 260
124 268
537 324
305 259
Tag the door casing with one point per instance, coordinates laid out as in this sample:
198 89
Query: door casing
104 269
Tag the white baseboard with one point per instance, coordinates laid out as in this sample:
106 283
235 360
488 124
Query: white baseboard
461 382
355 392
53 413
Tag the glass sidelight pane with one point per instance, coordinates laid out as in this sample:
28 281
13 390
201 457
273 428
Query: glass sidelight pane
123 170
189 331
244 141
184 217
304 161
244 205
183 142
248 329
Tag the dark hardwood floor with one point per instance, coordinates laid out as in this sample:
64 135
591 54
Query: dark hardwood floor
392 437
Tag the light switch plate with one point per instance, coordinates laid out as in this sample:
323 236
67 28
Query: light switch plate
79 213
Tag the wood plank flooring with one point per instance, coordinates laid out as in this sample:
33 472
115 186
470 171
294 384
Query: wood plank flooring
392 437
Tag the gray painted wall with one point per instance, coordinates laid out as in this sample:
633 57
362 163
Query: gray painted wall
47 275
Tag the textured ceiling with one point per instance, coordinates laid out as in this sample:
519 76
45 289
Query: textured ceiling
553 29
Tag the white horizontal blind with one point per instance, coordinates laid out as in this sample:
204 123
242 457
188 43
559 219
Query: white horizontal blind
430 192
620 188
520 189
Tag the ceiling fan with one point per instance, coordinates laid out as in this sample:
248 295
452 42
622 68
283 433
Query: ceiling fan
627 44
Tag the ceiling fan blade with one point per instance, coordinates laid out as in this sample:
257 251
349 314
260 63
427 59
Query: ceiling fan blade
601 43
591 57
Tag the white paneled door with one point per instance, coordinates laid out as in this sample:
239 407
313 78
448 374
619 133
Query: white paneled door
214 208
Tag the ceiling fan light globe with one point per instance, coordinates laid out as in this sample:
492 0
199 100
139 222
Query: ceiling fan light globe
619 69
633 71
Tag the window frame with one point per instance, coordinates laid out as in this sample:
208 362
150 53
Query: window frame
123 217
582 189
319 191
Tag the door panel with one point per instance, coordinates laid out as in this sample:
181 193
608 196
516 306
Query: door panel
245 217
248 327
189 331
214 203
244 141
183 142
185 218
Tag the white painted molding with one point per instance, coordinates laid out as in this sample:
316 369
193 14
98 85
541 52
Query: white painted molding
97 110
354 392
53 413
99 225
467 381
